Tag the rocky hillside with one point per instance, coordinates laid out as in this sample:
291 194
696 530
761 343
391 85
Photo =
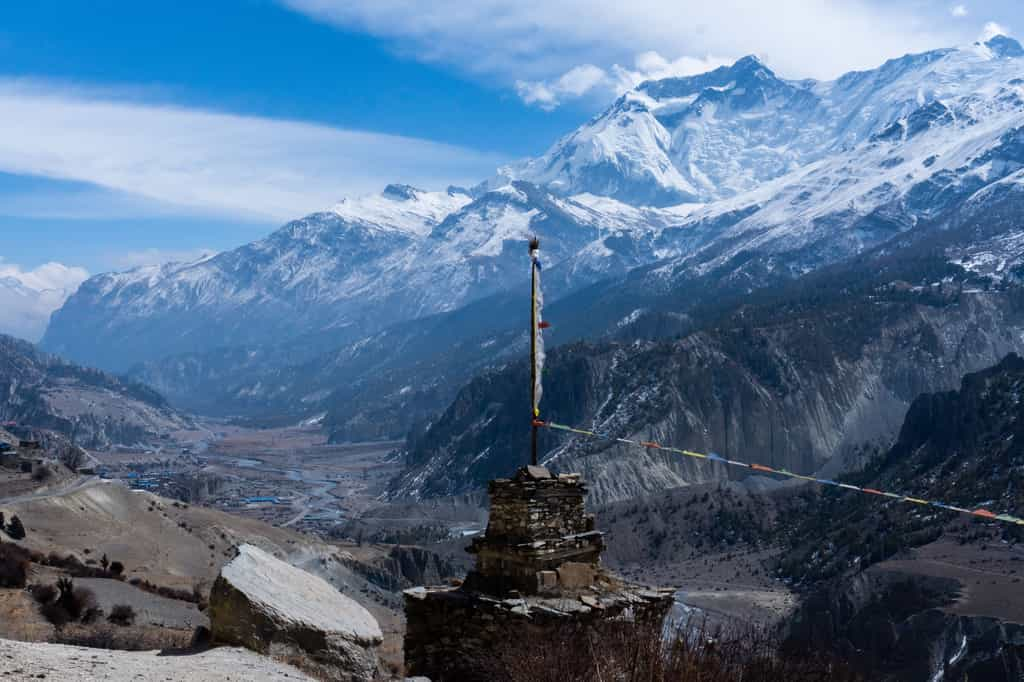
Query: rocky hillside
802 376
92 408
946 613
904 592
61 663
960 447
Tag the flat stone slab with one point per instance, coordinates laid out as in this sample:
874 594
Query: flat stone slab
537 472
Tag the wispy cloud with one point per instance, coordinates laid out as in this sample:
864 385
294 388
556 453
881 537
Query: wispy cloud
575 82
208 161
589 80
958 10
28 297
993 29
134 259
538 46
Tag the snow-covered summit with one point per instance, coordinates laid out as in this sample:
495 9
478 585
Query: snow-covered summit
721 133
401 208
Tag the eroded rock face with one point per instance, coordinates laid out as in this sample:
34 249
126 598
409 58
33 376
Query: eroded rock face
269 606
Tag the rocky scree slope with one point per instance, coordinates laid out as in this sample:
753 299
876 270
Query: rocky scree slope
960 447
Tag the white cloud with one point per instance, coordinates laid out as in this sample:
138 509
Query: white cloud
536 41
211 162
991 30
958 11
590 80
575 82
28 297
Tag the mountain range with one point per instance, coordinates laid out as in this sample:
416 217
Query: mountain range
659 218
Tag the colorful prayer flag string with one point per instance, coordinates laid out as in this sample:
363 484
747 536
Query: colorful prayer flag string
651 445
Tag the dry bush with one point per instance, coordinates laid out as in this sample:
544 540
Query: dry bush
44 594
65 603
122 614
16 529
124 638
14 563
193 596
627 652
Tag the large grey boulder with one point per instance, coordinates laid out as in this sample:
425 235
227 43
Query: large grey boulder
269 606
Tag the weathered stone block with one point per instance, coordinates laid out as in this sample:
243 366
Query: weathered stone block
547 581
574 575
538 472
271 607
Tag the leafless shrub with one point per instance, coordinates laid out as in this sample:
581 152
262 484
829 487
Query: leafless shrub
124 638
642 653
65 603
122 614
14 562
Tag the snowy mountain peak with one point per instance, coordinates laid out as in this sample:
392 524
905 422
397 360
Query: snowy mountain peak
748 71
1004 47
715 135
400 209
402 192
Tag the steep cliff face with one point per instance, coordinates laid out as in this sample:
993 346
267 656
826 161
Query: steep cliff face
802 382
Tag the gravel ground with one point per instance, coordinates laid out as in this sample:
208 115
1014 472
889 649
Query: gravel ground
31 661
150 609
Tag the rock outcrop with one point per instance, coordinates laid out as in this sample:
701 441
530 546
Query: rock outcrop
269 606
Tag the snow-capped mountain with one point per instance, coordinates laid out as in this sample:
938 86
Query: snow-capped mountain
709 173
722 133
348 272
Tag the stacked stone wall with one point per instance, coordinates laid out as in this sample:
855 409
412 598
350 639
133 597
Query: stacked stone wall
457 636
528 510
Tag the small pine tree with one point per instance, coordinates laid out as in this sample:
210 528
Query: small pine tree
105 562
15 529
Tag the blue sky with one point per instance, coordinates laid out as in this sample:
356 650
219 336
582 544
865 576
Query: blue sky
136 132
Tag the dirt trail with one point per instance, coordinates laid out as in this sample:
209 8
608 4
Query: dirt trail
64 488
